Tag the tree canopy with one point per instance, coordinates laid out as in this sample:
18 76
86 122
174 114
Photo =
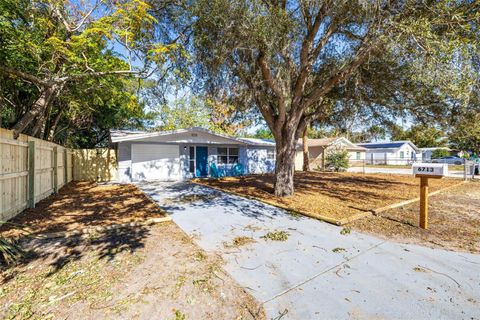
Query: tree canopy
71 65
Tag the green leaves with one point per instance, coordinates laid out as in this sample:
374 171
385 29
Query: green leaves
93 49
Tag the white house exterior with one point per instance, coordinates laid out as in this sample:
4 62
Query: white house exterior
317 149
188 153
427 152
394 152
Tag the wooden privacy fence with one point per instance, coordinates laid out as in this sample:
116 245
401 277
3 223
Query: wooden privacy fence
32 169
95 164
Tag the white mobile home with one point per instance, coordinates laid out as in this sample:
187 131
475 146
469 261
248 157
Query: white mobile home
394 152
188 153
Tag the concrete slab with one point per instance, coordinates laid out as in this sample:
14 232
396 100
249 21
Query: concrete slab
318 272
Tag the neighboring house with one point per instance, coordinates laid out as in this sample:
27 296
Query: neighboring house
394 152
188 153
427 152
318 148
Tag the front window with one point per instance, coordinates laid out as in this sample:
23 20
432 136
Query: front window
227 155
271 154
402 155
192 160
358 155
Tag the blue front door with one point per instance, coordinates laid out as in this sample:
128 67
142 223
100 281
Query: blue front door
201 162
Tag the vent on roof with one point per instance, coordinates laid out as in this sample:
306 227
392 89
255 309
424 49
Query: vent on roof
194 135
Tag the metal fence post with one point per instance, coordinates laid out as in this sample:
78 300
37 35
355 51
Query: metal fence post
31 174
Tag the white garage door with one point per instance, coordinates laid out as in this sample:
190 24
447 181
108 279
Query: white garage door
155 162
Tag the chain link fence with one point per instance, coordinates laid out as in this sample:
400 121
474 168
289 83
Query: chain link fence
460 168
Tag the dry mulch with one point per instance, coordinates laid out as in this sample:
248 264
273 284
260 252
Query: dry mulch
334 195
142 272
80 205
454 221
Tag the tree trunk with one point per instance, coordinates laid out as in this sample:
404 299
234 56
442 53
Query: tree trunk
54 125
306 155
39 124
285 164
37 108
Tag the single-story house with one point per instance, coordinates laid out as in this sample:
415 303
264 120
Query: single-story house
394 152
317 149
188 153
427 152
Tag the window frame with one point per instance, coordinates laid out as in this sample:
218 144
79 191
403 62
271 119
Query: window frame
192 160
358 155
271 154
402 155
226 159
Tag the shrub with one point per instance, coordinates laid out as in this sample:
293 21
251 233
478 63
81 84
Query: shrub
337 159
10 252
439 153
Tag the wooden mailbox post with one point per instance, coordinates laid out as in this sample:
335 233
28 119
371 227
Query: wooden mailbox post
426 171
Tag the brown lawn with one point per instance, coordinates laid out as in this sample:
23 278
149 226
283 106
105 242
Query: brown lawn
81 205
334 195
454 221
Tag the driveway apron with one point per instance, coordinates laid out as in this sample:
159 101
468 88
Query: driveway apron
319 273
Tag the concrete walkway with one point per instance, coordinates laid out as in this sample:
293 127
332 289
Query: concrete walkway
319 273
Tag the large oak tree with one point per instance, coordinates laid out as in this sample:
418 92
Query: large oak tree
286 57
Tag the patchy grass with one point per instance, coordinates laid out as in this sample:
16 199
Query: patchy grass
454 221
345 231
333 195
190 198
277 235
338 250
239 242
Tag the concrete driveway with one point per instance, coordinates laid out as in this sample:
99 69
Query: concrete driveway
318 273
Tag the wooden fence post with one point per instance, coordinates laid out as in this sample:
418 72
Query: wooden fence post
31 174
65 166
423 202
55 169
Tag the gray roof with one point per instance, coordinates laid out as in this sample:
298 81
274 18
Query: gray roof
387 145
255 141
129 135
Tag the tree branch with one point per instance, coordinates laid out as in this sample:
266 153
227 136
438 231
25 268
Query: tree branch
80 24
338 77
97 74
305 55
267 76
23 75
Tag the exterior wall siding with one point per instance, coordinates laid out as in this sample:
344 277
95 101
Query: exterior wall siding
392 156
258 161
253 159
125 162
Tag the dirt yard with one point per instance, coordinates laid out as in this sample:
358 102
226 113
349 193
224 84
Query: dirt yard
454 221
334 195
138 272
84 205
